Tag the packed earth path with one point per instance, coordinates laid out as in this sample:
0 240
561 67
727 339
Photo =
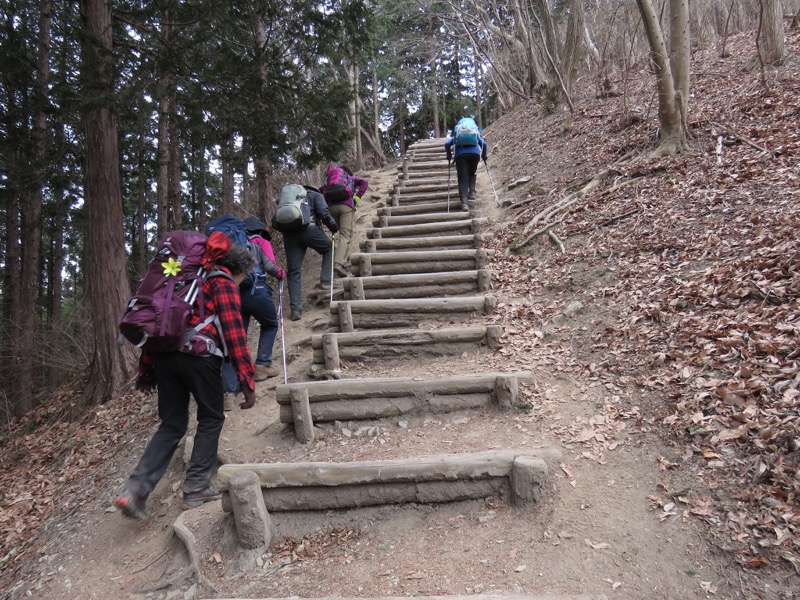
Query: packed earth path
597 529
634 508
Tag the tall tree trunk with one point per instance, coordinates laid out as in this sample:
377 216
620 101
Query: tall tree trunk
174 162
773 44
550 34
573 44
376 107
263 173
202 183
104 258
401 133
162 181
226 158
31 215
142 254
680 52
669 114
55 292
357 118
476 61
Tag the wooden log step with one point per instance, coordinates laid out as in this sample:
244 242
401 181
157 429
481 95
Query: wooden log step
425 285
353 315
458 227
423 175
427 187
519 476
330 349
438 217
439 206
439 180
367 264
428 143
380 398
432 243
405 197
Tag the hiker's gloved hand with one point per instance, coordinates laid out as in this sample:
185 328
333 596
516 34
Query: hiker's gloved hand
281 274
249 398
142 385
146 374
333 227
356 199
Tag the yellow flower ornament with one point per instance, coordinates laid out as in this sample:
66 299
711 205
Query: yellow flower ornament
171 267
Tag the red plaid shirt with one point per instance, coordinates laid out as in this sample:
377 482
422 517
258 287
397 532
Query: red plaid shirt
221 298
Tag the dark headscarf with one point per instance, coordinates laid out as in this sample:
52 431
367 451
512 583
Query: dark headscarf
255 226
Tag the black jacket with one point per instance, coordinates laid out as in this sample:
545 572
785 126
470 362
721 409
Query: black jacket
319 211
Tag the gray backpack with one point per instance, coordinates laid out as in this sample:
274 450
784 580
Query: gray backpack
293 212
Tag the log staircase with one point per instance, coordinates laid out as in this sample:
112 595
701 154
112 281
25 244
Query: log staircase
421 288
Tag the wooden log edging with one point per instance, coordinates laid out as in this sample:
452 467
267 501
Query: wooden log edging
440 242
520 476
352 315
438 206
419 219
461 226
380 398
417 285
331 349
368 264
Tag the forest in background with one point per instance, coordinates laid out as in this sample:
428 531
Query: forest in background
121 121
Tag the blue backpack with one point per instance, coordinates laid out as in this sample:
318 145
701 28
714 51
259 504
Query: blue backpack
466 132
234 228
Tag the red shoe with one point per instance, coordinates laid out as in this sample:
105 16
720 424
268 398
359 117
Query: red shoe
132 505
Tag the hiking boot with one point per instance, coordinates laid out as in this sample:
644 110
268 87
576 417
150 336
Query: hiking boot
195 499
229 402
296 315
340 270
465 206
132 505
264 372
472 194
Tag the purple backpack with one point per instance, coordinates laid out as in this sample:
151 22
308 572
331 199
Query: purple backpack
339 187
157 316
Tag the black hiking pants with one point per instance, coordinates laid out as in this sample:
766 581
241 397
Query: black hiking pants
180 375
466 169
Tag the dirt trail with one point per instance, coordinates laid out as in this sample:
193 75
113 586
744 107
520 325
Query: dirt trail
601 528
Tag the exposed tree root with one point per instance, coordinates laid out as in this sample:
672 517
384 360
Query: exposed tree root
182 531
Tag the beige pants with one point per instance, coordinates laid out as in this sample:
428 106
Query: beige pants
344 216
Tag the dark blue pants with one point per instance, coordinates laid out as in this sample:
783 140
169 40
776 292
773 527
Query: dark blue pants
296 243
467 169
179 376
258 303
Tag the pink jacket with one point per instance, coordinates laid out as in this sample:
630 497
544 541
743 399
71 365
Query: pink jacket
267 248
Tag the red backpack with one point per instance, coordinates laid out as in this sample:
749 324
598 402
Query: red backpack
157 316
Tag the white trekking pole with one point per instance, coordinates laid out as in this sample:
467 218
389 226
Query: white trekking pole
283 338
333 255
496 199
